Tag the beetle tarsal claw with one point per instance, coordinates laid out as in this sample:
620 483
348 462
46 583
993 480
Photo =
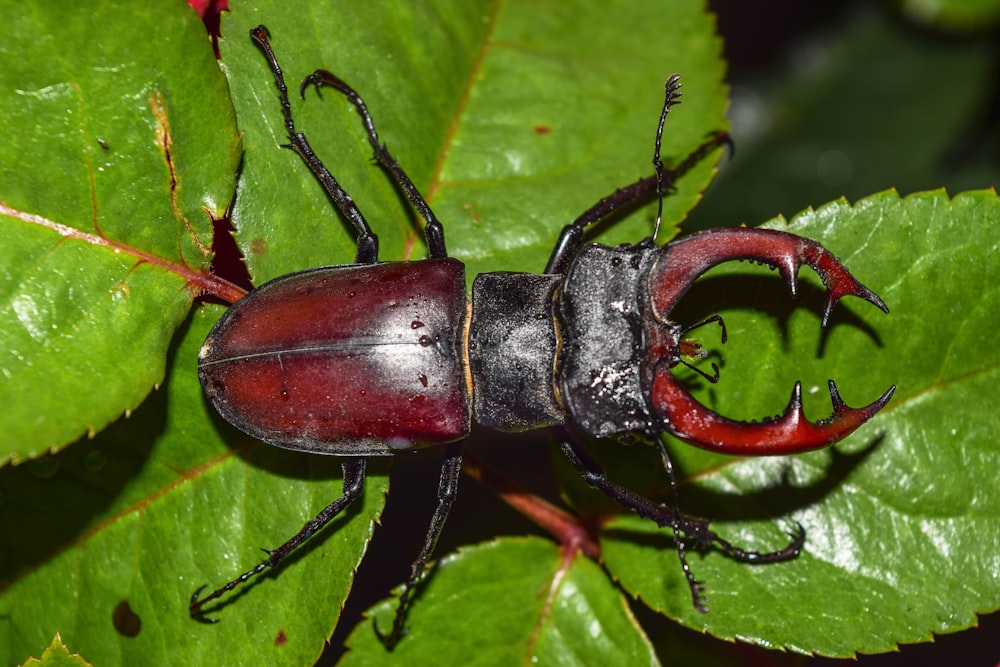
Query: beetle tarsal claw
196 610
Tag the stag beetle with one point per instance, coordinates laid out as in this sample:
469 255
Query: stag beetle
374 359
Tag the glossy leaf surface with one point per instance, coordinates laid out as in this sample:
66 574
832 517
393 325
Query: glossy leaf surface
497 114
171 498
118 153
554 609
57 655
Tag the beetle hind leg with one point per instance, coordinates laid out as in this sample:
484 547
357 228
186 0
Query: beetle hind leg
354 484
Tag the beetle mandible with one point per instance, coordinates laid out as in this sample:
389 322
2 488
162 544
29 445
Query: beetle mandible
587 346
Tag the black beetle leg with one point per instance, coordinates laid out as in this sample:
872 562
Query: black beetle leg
433 230
696 587
787 553
663 515
571 237
447 491
354 484
670 516
367 241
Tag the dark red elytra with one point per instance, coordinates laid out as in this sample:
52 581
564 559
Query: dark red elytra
345 360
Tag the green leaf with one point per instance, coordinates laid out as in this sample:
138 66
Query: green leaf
513 119
512 125
170 499
901 517
57 655
117 155
848 114
159 505
545 606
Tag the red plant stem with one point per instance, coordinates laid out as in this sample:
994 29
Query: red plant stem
570 531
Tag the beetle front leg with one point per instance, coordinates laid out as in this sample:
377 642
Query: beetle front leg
678 266
571 237
664 516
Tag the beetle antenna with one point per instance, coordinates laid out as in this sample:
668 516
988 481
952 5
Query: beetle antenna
713 378
621 200
714 319
673 94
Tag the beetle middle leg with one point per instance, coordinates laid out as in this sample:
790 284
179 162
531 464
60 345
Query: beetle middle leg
367 241
433 230
354 484
447 491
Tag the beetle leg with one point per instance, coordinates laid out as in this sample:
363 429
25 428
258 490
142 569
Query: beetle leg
697 588
676 269
670 516
664 516
354 484
367 241
447 491
571 237
433 230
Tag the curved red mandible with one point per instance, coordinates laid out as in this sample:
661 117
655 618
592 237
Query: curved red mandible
678 266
